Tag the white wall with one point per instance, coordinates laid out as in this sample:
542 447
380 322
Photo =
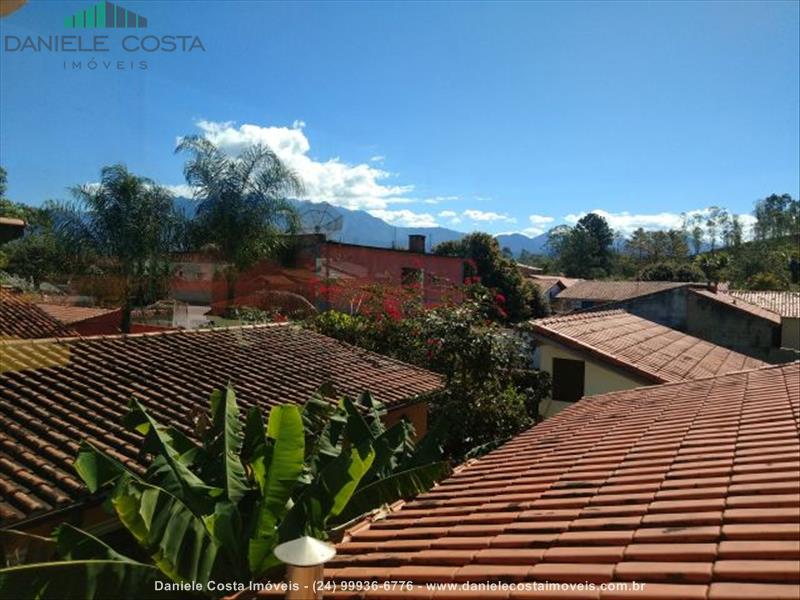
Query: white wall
598 378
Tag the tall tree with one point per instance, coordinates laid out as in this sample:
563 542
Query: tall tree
521 298
128 221
243 208
584 250
697 238
776 216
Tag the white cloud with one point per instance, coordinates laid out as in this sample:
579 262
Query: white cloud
455 221
479 215
448 214
626 223
405 217
540 219
440 199
181 189
358 186
378 158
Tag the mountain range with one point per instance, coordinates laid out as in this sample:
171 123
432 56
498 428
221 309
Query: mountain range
360 227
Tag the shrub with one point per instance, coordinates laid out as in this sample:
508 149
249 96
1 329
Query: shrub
491 391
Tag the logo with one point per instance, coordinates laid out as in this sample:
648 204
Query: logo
105 15
125 43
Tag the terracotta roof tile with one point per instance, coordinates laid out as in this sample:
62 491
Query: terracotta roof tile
610 291
69 315
647 349
54 393
785 304
698 554
737 303
20 319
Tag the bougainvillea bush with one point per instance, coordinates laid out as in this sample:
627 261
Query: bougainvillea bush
491 392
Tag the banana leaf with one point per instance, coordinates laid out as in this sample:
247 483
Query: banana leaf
286 463
328 495
96 468
76 544
19 547
404 484
171 471
83 580
228 444
178 542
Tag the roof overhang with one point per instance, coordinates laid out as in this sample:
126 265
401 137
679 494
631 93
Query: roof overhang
547 335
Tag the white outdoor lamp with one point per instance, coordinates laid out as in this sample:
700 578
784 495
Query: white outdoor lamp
305 558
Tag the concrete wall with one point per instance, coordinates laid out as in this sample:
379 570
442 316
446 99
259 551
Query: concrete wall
668 307
417 413
790 333
732 328
599 378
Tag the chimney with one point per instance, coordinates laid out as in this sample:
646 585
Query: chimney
305 558
416 243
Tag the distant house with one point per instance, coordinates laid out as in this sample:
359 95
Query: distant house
688 489
660 301
551 285
57 392
11 229
325 272
761 324
784 304
604 351
20 319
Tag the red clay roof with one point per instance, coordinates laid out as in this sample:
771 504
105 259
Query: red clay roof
785 304
610 291
54 393
691 489
738 304
68 314
22 319
648 349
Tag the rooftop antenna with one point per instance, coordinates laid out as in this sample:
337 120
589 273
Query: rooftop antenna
321 221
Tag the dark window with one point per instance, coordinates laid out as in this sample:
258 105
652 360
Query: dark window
568 379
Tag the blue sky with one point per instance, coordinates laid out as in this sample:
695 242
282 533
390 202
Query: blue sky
496 116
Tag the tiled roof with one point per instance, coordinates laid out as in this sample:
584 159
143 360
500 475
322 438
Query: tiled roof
656 352
54 393
691 489
785 304
22 319
610 291
738 304
68 314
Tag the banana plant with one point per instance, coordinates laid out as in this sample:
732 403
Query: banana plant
213 506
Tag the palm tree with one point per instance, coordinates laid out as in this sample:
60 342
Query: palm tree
127 220
243 208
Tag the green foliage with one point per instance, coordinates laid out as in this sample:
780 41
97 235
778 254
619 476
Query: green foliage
215 508
128 224
242 208
585 249
712 265
82 580
669 271
767 281
777 216
497 272
491 392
